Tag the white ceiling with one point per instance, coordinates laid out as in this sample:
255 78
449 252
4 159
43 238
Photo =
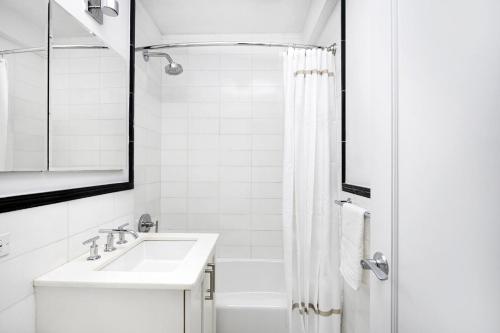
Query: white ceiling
34 12
64 25
228 16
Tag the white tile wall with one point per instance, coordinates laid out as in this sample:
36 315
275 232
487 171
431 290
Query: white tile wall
45 237
10 318
147 122
222 133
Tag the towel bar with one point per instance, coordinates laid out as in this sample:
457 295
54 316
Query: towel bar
341 202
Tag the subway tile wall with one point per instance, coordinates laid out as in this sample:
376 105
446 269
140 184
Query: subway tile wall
44 238
147 122
222 134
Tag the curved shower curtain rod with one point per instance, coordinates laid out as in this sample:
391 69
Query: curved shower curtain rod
56 47
331 48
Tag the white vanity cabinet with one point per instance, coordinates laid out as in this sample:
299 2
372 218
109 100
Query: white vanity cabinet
209 300
200 304
83 310
156 284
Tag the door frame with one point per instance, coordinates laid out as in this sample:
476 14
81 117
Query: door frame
395 167
384 201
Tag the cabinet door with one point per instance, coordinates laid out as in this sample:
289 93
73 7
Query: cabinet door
209 300
194 303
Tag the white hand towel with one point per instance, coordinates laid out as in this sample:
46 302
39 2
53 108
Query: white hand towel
351 244
4 114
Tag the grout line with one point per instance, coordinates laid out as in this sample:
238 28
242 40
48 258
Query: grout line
252 102
8 307
9 257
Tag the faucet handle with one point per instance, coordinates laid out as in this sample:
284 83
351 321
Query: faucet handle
94 248
122 227
92 240
110 239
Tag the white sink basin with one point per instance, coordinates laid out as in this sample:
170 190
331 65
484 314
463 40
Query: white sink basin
154 284
153 261
152 256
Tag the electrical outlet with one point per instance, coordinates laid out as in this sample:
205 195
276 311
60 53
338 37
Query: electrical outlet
4 244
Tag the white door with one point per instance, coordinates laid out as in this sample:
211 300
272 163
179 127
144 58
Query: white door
436 165
383 162
449 166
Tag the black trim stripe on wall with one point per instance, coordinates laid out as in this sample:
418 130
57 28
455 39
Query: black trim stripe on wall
46 198
350 188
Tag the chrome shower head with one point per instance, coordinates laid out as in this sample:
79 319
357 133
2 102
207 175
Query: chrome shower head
172 68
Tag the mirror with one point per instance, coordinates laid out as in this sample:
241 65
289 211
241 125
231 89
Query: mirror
68 100
355 89
88 99
23 85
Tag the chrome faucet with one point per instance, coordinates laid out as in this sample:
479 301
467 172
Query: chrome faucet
122 231
110 239
94 248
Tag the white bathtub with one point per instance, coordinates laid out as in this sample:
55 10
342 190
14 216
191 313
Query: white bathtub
250 296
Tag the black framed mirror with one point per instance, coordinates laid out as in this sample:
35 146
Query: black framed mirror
347 186
29 200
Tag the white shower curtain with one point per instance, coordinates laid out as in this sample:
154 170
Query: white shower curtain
4 114
311 242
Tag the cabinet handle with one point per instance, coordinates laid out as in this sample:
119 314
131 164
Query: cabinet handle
211 271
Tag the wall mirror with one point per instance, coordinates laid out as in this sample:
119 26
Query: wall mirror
23 85
355 90
88 99
66 102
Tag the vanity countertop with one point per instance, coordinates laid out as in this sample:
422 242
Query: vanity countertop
83 273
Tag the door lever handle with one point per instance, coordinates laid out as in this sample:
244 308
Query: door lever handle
378 265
